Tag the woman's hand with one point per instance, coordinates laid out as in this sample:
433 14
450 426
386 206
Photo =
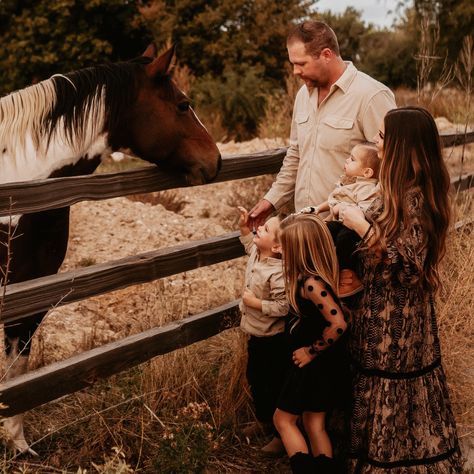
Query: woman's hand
302 357
353 218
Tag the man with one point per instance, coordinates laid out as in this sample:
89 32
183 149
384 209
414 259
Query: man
336 108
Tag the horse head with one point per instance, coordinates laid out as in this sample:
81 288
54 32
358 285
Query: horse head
162 127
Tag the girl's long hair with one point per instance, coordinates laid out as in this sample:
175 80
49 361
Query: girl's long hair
412 160
308 250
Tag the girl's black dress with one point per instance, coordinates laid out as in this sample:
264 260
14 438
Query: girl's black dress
324 383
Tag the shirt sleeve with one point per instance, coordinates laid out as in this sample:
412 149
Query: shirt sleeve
316 291
406 253
377 107
283 189
277 305
367 197
247 242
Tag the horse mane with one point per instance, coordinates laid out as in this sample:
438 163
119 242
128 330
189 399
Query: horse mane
74 107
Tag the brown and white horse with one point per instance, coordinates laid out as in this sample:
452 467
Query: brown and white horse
64 126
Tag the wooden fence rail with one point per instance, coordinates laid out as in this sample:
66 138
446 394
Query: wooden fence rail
40 195
26 298
70 375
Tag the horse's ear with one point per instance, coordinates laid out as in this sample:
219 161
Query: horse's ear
150 51
161 65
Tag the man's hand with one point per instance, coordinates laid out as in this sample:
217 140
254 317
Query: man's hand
260 212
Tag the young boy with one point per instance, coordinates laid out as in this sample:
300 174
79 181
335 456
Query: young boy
264 307
358 186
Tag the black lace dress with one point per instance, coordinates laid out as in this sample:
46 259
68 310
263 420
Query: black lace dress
324 383
402 420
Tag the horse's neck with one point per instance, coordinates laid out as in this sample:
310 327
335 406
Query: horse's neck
28 164
25 153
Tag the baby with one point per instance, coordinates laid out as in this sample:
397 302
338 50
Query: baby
358 186
263 308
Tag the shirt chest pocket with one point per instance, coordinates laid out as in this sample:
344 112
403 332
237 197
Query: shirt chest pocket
335 133
303 127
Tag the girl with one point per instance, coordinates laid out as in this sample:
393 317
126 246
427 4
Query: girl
402 420
319 375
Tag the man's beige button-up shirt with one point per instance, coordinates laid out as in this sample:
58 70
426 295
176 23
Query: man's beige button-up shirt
323 136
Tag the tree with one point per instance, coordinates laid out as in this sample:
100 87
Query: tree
43 37
214 34
349 28
235 49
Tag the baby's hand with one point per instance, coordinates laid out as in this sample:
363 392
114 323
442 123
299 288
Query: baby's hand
302 357
310 210
335 212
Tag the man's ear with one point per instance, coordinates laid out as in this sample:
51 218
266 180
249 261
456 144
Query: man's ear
368 172
277 248
326 53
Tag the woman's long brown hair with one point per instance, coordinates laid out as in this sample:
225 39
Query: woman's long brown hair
412 160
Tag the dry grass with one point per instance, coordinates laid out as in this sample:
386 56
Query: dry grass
168 199
449 102
456 325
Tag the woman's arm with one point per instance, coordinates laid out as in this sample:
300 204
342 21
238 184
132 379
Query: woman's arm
353 218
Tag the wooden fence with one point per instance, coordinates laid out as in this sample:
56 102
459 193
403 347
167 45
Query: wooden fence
23 299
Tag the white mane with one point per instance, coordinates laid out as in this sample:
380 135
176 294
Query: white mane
25 153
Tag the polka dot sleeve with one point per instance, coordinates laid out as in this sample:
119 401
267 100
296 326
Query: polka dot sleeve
316 291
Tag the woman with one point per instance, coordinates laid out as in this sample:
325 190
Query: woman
402 420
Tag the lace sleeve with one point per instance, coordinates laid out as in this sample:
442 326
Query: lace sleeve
406 253
315 290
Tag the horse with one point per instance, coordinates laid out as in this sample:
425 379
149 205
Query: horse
65 126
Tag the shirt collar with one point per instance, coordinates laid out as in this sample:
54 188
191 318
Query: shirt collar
347 77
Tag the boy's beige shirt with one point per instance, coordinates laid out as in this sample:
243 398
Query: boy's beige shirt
322 137
264 278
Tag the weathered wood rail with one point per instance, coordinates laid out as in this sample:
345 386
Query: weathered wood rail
23 299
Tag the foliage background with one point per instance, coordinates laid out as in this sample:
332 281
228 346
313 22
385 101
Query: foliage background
233 51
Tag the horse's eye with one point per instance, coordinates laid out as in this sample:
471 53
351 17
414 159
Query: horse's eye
184 106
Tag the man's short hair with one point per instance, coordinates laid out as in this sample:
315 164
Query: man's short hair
316 35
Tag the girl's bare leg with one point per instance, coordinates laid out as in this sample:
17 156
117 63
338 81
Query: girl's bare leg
291 436
315 426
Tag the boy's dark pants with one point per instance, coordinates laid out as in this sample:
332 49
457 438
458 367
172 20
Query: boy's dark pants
346 242
268 362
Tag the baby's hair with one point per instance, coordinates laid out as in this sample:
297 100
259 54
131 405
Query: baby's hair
308 250
370 158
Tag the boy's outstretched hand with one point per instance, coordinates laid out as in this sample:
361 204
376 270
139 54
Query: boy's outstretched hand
244 221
